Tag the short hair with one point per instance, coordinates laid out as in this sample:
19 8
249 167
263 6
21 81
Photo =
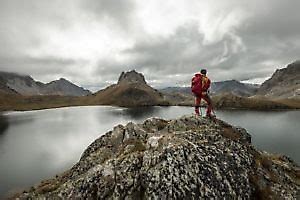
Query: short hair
203 71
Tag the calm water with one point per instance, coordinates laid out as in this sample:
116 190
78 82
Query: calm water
35 145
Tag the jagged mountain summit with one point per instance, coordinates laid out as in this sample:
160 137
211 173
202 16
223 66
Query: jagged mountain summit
131 90
26 85
131 77
186 158
284 83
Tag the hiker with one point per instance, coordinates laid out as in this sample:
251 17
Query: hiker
200 85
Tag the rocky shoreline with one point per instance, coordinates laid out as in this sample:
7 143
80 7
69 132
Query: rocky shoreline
186 158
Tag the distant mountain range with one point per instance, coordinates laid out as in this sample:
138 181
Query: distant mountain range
284 84
234 87
13 83
223 87
281 91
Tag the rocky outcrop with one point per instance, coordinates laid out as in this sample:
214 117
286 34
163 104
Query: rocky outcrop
131 77
26 85
131 90
186 158
284 83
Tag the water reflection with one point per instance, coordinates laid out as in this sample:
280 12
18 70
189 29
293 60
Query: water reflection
3 124
136 113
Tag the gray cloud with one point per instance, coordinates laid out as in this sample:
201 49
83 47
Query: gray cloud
32 35
119 12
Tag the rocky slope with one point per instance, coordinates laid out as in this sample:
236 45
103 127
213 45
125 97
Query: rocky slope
284 83
234 87
64 87
131 90
186 158
26 85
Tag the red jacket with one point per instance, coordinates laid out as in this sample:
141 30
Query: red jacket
200 83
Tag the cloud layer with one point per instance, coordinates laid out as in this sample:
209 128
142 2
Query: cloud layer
91 42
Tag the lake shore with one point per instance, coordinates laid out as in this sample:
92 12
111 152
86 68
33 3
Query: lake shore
27 103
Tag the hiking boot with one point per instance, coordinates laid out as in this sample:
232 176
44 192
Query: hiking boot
211 116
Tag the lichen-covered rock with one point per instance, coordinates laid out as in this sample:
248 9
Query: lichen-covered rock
186 158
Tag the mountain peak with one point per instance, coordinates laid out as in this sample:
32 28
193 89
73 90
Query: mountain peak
131 77
63 79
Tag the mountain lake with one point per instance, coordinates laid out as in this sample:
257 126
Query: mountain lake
36 145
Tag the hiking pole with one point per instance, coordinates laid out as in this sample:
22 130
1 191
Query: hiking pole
200 110
213 111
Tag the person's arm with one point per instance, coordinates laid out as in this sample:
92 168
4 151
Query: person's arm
208 84
192 81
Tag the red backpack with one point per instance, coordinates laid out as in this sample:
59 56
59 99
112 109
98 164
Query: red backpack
196 85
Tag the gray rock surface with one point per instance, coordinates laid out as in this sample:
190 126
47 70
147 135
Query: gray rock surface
131 77
186 158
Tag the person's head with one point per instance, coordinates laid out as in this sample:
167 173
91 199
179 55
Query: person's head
203 71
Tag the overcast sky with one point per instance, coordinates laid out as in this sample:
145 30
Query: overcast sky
90 42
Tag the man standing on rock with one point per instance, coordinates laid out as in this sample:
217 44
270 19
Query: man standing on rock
200 85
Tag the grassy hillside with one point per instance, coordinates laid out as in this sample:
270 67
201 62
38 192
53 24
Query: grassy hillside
18 102
231 101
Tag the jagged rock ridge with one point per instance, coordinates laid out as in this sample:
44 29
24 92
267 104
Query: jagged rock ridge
186 158
131 77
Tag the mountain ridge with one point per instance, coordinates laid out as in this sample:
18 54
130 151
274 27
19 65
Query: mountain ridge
26 85
220 87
